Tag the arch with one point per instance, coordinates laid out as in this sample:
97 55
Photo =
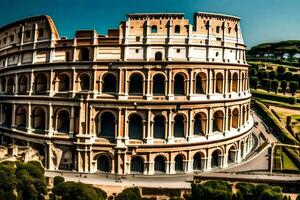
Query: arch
242 149
137 165
179 85
243 115
179 163
3 84
66 161
158 56
106 125
179 126
21 117
160 164
232 154
218 29
39 118
159 127
104 163
201 83
84 54
235 118
40 83
158 85
200 124
177 29
136 84
10 85
84 82
63 82
218 121
216 158
229 82
23 84
243 82
109 83
7 114
235 82
63 121
135 127
197 163
153 29
219 83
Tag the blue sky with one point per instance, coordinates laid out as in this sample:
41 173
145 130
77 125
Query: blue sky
262 20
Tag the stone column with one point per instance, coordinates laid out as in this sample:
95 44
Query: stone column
49 156
126 137
170 80
16 91
72 121
149 138
190 126
50 120
13 114
225 160
118 137
31 82
208 164
209 123
191 85
226 83
28 128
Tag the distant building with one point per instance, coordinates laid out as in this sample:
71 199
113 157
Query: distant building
157 95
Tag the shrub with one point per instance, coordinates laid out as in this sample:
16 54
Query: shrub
253 72
129 194
280 77
272 75
288 76
58 180
253 82
292 100
293 87
283 86
274 85
280 69
266 84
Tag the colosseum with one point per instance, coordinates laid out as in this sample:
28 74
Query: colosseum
158 95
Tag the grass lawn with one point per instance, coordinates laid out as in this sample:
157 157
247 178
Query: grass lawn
288 163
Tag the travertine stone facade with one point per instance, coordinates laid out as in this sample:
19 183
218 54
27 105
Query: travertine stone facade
156 95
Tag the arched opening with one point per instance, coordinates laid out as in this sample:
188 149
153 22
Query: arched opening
66 162
201 83
106 125
159 164
247 113
218 121
135 127
235 118
21 117
109 84
179 126
229 82
63 121
158 85
197 164
216 158
243 82
137 165
219 83
85 54
23 84
234 82
179 85
177 29
103 163
243 115
10 85
232 155
242 149
39 119
154 29
41 84
3 84
7 114
136 84
159 127
200 124
158 56
64 83
218 29
84 82
179 163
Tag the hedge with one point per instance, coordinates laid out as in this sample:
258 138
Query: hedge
292 155
273 97
273 122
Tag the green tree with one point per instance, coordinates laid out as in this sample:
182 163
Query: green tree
280 69
288 76
283 86
272 75
274 85
293 87
253 82
129 194
266 84
57 180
